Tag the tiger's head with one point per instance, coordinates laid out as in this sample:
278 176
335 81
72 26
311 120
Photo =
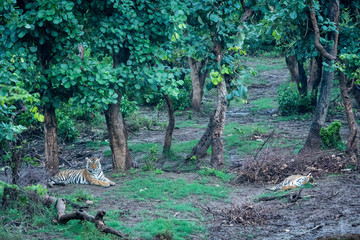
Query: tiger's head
93 165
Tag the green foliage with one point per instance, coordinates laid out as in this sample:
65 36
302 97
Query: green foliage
81 195
330 136
128 107
40 190
291 102
150 160
66 127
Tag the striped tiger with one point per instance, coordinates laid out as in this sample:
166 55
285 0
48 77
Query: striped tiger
92 174
293 182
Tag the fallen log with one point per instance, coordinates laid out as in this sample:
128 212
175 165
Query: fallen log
80 214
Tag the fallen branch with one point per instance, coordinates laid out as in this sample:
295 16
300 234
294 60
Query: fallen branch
79 215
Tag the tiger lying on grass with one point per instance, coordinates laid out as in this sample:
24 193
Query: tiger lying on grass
293 182
92 174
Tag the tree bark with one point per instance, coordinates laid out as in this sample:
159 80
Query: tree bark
199 151
171 125
198 80
352 145
115 123
51 140
313 141
217 145
315 78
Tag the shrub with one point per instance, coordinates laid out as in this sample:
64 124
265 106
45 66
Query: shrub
330 136
291 102
66 127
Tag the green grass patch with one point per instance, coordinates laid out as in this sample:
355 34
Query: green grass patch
143 147
179 229
267 67
97 145
216 173
178 207
154 187
189 124
263 103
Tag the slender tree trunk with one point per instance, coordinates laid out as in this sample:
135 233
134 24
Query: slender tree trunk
313 141
214 131
315 78
302 84
199 151
51 140
297 73
171 125
198 80
217 145
352 145
116 124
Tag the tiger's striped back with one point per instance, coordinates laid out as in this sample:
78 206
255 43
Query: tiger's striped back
92 174
70 176
293 182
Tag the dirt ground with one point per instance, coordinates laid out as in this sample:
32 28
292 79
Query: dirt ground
331 207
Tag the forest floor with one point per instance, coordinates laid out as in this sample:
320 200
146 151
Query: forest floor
196 202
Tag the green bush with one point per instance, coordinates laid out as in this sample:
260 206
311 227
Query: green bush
330 136
291 102
66 127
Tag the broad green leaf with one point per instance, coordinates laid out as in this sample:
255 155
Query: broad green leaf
293 15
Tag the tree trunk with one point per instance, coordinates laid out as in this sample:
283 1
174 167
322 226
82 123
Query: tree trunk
217 145
198 80
171 126
116 125
352 145
291 65
297 73
199 151
315 78
121 158
302 84
51 140
313 141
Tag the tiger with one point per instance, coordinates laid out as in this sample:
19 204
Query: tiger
293 182
92 174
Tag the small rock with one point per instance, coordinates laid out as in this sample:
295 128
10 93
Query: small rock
88 202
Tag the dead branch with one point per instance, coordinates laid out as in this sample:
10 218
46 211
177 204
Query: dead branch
79 215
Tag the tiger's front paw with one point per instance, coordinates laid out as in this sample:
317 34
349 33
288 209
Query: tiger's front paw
112 183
